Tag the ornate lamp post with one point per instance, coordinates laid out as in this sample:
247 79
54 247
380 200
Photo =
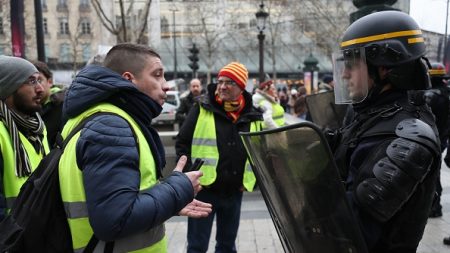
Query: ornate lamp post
261 17
174 44
310 70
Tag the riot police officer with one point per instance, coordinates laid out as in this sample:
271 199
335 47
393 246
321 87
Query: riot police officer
438 100
389 154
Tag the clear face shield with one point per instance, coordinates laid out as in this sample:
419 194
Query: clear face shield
351 78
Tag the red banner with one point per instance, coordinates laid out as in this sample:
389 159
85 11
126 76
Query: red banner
17 28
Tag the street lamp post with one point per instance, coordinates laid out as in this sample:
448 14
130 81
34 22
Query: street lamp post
261 17
175 74
310 68
39 30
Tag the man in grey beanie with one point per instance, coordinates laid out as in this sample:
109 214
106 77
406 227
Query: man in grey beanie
23 140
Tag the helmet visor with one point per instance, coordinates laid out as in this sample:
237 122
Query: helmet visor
350 76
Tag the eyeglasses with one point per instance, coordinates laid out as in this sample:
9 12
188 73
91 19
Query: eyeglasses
228 83
34 81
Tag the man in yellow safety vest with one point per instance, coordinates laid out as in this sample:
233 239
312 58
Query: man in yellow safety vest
110 171
211 132
23 137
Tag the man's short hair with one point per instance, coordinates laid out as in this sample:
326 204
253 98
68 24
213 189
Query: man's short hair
197 80
128 57
43 68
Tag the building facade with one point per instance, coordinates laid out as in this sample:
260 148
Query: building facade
223 30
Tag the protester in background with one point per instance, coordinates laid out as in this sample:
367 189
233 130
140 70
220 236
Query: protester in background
211 132
109 172
293 96
266 99
327 84
389 155
23 137
186 103
300 108
284 99
52 101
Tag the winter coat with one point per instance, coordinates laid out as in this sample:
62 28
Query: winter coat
186 103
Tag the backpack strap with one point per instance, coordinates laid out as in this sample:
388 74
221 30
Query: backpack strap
61 143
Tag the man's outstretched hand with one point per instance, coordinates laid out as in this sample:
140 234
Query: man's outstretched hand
196 209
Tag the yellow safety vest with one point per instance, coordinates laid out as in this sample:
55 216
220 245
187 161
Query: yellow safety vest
277 114
204 146
73 194
12 183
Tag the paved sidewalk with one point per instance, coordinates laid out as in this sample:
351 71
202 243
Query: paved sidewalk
257 233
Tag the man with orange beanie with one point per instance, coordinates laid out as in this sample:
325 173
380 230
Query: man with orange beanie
211 132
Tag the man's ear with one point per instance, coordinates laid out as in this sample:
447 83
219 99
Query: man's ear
127 75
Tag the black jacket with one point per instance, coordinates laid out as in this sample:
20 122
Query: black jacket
232 154
186 104
51 113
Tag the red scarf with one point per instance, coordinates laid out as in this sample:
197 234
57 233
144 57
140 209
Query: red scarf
233 108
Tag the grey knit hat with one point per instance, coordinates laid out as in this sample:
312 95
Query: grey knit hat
14 72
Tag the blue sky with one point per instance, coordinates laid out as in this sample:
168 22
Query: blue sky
430 14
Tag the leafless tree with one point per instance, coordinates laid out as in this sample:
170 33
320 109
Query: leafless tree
131 25
207 31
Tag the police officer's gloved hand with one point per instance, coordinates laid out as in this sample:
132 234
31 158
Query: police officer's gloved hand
332 136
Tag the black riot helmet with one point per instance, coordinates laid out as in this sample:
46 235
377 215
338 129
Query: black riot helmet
438 74
391 39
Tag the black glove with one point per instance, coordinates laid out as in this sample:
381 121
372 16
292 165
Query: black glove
333 137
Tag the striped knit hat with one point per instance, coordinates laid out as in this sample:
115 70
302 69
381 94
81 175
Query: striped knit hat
236 72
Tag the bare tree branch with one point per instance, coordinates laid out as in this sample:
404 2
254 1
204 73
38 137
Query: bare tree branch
106 22
144 24
122 17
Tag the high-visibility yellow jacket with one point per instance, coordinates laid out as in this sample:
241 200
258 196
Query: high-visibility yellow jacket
204 146
12 183
73 192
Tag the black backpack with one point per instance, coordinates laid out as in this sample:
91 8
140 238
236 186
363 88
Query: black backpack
37 221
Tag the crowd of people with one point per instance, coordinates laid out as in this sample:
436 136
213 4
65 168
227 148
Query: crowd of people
111 179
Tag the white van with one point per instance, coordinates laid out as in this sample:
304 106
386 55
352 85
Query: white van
167 116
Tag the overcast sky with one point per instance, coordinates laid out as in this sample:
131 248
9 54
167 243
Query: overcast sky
430 14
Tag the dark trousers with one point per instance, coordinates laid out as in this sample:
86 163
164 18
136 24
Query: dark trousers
227 211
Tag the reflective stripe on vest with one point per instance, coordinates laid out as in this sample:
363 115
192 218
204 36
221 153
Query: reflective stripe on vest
277 114
204 146
73 194
12 183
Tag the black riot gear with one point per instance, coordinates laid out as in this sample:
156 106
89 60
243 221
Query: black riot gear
389 155
408 160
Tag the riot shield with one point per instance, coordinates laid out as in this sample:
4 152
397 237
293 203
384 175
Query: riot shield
299 181
324 112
